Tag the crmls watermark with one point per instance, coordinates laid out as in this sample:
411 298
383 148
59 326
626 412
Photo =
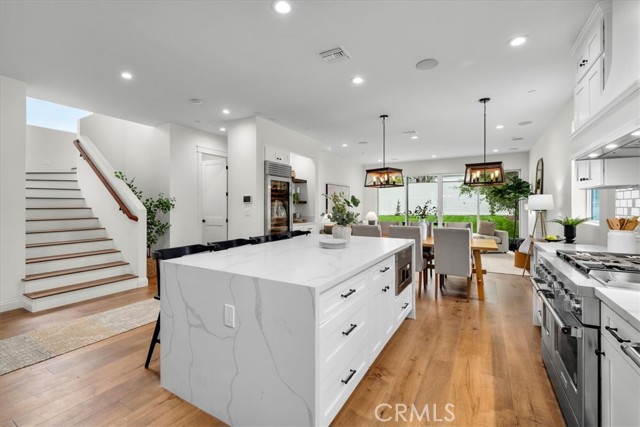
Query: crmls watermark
385 412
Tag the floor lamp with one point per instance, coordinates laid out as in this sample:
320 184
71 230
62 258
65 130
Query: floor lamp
538 203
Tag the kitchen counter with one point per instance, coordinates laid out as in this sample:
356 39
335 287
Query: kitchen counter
265 335
552 247
625 302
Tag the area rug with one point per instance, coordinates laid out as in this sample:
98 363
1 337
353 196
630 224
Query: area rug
42 344
500 263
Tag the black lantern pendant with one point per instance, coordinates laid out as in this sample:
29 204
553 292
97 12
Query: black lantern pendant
484 174
384 177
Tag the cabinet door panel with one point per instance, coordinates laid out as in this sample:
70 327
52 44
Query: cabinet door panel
594 86
620 388
581 104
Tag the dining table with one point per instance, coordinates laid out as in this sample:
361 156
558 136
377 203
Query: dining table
477 246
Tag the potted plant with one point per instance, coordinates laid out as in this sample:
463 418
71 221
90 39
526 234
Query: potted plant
341 214
156 209
422 212
570 225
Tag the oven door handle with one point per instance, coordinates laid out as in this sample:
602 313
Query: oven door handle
632 353
566 329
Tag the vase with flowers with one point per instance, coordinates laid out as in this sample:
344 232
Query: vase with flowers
342 215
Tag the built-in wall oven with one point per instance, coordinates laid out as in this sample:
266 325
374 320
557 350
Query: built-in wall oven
404 269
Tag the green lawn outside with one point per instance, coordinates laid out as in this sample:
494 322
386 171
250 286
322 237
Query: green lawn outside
503 222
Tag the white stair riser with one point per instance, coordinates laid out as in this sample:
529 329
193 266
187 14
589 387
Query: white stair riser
67 249
57 213
72 279
61 264
81 295
65 235
44 175
57 224
62 193
55 203
32 182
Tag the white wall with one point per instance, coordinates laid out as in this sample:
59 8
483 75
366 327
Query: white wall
50 150
554 147
13 107
186 218
334 169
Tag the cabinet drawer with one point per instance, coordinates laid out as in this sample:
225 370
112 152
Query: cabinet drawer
383 270
340 337
617 325
337 388
402 306
342 296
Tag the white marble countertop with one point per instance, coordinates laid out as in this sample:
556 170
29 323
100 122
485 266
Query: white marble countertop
300 260
624 302
553 246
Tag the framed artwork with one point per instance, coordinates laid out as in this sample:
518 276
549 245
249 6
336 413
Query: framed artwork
538 185
336 188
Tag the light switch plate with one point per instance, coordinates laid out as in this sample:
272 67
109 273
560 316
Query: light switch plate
229 316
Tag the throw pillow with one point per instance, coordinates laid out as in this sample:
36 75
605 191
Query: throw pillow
486 228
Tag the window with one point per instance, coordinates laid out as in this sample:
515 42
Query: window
593 205
392 203
423 193
53 116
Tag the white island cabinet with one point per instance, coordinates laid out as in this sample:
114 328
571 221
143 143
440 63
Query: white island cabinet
281 333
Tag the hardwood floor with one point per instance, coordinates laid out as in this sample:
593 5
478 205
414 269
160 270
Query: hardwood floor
482 358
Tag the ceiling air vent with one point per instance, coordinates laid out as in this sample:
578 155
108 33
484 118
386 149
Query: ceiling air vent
334 55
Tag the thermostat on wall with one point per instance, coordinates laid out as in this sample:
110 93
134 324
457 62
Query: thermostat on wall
246 199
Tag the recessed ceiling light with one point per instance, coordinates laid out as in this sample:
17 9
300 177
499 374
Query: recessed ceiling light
225 111
592 155
427 64
196 101
414 136
126 75
518 41
357 80
223 129
434 156
636 133
495 150
345 145
525 123
611 146
500 127
282 7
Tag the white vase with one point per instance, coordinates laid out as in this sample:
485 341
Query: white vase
341 232
423 229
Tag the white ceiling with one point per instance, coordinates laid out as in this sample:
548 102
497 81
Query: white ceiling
242 56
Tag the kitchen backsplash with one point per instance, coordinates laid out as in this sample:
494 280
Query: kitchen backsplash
628 201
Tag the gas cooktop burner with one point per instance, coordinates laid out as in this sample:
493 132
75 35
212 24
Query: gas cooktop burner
602 261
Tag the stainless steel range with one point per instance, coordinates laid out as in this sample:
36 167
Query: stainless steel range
570 319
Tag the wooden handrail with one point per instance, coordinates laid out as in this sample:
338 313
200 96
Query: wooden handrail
125 210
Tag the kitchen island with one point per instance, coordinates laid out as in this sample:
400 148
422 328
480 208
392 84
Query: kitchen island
278 333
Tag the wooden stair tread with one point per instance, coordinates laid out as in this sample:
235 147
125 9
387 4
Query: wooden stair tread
62 230
79 286
71 255
51 180
52 188
55 198
62 219
67 242
49 173
74 270
68 207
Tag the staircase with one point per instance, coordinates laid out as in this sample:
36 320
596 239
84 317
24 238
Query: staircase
69 256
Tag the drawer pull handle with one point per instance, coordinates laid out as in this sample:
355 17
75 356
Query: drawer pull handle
352 372
348 294
613 331
384 270
346 333
406 304
385 289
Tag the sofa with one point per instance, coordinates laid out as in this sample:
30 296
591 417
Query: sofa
486 230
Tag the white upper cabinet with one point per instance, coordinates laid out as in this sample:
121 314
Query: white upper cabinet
607 173
591 48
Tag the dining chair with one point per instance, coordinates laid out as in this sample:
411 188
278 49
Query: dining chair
228 244
452 252
402 232
269 238
427 252
366 230
468 225
384 226
164 254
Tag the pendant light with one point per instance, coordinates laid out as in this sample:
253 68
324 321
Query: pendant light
384 177
484 174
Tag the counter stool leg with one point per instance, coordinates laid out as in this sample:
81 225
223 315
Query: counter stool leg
155 339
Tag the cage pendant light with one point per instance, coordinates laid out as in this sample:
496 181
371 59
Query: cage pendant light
484 174
384 177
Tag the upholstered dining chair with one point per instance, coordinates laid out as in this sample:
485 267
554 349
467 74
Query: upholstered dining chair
452 248
468 225
366 230
427 252
384 226
402 232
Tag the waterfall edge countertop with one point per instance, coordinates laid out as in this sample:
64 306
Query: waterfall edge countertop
299 261
280 333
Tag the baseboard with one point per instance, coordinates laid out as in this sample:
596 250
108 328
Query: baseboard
10 305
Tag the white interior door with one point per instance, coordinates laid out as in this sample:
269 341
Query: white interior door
214 199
